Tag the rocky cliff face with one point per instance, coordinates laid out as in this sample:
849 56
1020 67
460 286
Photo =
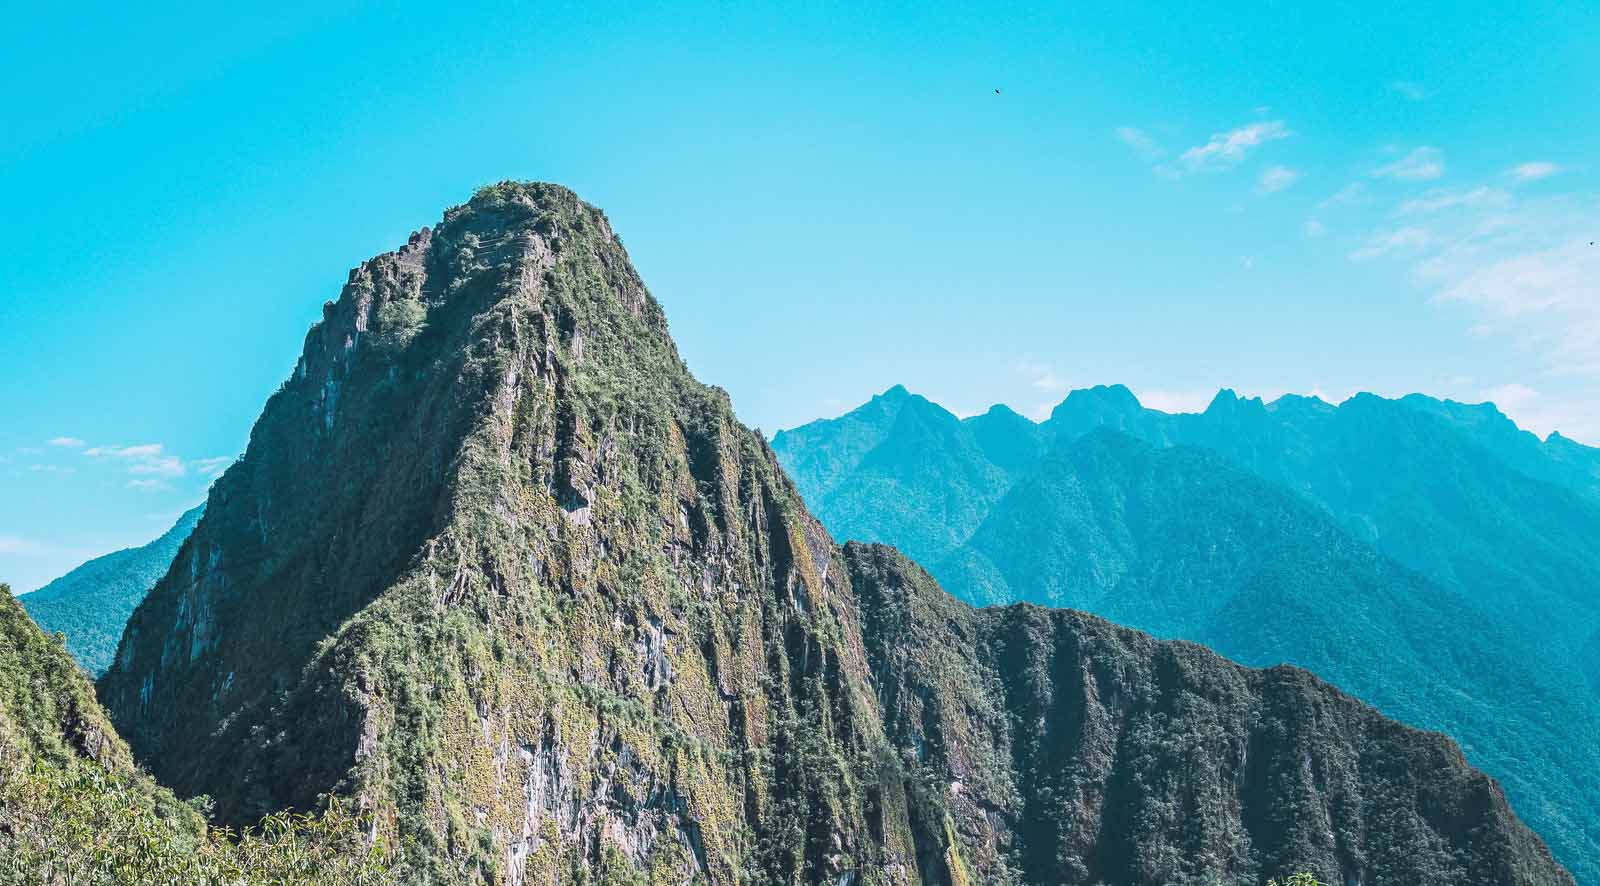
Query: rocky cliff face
1070 750
495 565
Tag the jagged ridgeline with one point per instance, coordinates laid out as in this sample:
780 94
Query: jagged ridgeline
498 568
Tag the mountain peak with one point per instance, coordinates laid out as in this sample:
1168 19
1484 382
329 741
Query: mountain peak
1097 401
498 567
1228 399
1001 411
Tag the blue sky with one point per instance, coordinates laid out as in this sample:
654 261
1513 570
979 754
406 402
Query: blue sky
827 200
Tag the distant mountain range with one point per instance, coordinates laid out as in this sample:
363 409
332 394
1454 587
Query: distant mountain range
92 603
1425 554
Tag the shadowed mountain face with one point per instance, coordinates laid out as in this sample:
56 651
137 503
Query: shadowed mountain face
1089 753
497 566
1214 541
91 604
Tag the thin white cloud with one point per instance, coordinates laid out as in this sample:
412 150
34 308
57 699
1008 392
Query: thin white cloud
160 466
50 469
1349 195
1408 239
1476 198
1411 90
145 450
1140 141
1560 283
1227 149
211 467
11 544
1510 397
1527 274
146 484
1315 228
67 442
1276 178
1041 376
145 459
1422 164
1050 382
1176 401
1533 170
1532 410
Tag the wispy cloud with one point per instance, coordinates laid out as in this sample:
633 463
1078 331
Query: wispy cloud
1510 397
146 484
1349 195
1176 401
1533 170
1562 280
1526 272
1140 141
1041 376
67 442
50 469
1227 149
1533 410
212 467
11 544
146 459
1411 90
1041 410
1276 178
145 450
1475 198
1049 382
1315 228
1422 164
1400 240
160 466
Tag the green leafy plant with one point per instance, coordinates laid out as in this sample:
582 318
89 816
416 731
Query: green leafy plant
78 824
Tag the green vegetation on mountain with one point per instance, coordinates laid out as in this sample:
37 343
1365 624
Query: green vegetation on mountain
91 604
916 474
74 811
1181 543
1487 641
520 588
1066 749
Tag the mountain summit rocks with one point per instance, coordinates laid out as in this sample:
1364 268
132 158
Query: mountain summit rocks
498 568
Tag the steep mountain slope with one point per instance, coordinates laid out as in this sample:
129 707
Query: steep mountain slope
1180 543
1556 459
917 474
91 604
1428 495
61 762
1455 492
47 709
1072 750
496 566
74 811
